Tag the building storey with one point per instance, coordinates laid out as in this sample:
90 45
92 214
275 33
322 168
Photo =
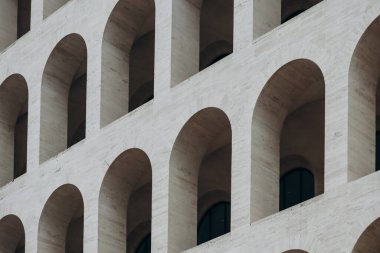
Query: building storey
131 125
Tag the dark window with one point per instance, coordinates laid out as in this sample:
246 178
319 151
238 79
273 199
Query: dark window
215 222
144 246
293 15
377 150
296 186
23 17
218 58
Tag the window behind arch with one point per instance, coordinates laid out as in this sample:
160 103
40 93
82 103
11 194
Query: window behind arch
296 186
215 222
377 151
145 245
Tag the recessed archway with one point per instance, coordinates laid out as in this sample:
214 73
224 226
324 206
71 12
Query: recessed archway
63 98
127 59
292 8
295 251
287 132
12 235
216 31
364 103
125 203
50 6
203 35
14 20
200 172
368 241
13 128
60 227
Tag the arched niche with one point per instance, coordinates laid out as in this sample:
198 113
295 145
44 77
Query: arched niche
368 241
63 97
269 14
14 20
125 203
50 6
292 8
60 227
287 132
295 251
216 31
203 33
364 103
12 235
127 59
200 172
13 127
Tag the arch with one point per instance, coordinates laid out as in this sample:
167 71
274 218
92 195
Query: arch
292 8
207 22
13 128
60 228
12 235
200 164
368 241
127 59
125 202
364 103
269 14
215 222
63 95
145 245
288 122
14 20
295 251
296 186
214 53
216 30
50 6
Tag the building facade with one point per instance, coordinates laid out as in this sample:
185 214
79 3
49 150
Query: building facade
189 125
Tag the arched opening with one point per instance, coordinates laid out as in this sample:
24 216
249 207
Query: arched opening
292 8
12 235
368 241
364 104
13 128
200 172
216 31
295 251
145 245
215 222
63 98
269 14
127 59
296 186
60 227
125 204
206 34
14 20
50 6
287 133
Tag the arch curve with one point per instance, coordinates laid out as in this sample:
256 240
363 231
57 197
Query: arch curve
13 127
364 103
199 167
60 228
12 235
130 33
368 241
125 202
288 121
63 95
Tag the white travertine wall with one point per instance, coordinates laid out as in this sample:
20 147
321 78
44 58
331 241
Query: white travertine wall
325 35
